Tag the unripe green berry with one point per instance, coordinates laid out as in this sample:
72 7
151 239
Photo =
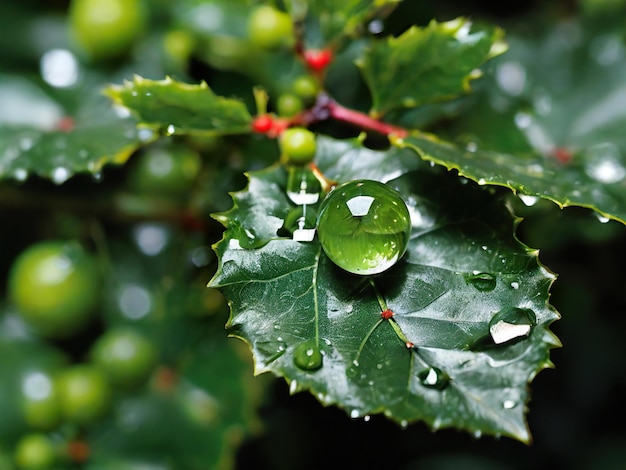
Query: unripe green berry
289 105
35 452
297 145
269 28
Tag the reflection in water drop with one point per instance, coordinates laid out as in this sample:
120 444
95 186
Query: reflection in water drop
484 282
307 356
511 324
151 238
59 68
134 301
604 163
433 377
509 404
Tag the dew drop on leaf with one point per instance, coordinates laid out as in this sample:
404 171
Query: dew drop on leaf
303 187
484 282
364 226
511 324
433 377
307 356
603 163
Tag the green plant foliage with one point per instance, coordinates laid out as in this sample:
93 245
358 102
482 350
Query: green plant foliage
177 107
460 271
428 64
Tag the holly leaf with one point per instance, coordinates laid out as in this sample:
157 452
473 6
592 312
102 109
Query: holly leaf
38 137
427 64
470 323
548 123
341 18
178 107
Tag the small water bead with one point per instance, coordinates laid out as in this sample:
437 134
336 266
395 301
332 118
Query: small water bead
433 377
484 282
303 187
307 356
364 226
511 324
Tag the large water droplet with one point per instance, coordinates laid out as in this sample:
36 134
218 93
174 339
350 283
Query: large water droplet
511 324
482 281
433 377
60 175
604 163
527 199
307 355
59 68
364 226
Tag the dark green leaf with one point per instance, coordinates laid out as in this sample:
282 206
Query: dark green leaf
178 107
428 64
37 137
464 273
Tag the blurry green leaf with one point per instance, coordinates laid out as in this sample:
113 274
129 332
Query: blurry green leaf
177 107
36 136
472 299
428 64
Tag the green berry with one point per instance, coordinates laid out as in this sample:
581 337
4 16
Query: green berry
364 226
35 452
106 29
306 87
269 28
168 171
297 145
54 285
84 393
289 105
125 356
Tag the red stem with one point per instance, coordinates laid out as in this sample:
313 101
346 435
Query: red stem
363 120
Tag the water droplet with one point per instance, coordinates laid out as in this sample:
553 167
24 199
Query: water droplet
145 134
355 413
367 418
151 238
170 130
523 120
607 49
303 187
97 176
375 26
482 281
433 377
527 199
511 324
307 355
509 404
471 147
134 301
293 386
511 77
271 350
60 175
300 223
601 218
20 174
201 256
515 285
37 386
364 226
59 68
603 163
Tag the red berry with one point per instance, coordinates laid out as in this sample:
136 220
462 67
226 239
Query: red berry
386 314
318 59
263 123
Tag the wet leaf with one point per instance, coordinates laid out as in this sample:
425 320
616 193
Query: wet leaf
177 107
425 65
322 330
37 137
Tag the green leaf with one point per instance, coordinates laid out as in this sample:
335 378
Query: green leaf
342 17
178 107
429 64
464 273
594 182
36 136
549 122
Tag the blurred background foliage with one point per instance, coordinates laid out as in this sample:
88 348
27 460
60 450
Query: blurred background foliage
200 406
